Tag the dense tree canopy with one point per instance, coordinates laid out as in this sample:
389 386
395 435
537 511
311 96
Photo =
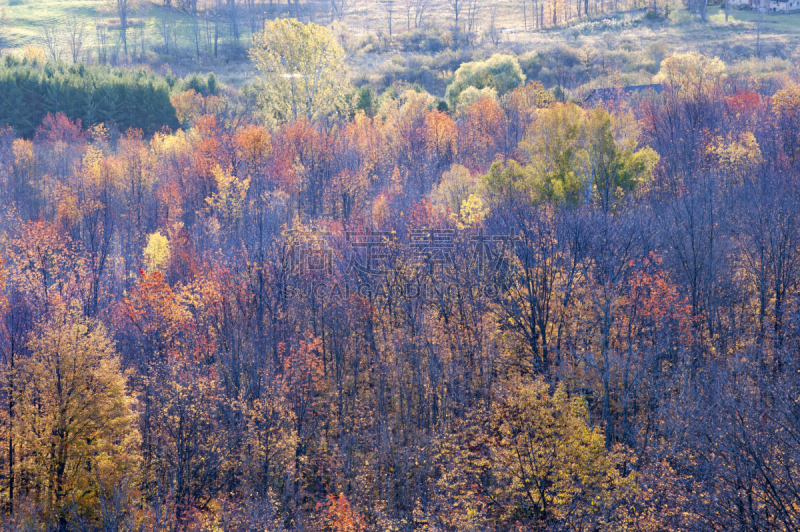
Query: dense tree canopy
520 314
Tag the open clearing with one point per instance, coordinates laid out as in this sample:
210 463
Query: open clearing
174 38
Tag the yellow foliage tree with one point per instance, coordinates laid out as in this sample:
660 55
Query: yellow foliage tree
786 107
457 195
228 201
736 154
34 55
787 101
691 73
77 429
455 187
24 168
303 73
533 460
156 253
188 106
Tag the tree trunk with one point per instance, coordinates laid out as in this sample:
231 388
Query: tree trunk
234 19
216 29
124 25
11 435
525 14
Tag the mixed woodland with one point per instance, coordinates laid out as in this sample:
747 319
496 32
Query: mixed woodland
320 308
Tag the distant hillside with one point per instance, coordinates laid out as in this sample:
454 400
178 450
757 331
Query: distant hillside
402 40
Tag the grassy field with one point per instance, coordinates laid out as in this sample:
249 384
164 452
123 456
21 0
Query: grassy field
24 18
771 22
170 37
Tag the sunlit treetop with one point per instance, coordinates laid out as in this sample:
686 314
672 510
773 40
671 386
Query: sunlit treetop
691 73
500 72
303 73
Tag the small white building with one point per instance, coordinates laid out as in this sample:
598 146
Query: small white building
787 6
771 6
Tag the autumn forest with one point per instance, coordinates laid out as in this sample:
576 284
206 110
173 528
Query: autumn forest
309 306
